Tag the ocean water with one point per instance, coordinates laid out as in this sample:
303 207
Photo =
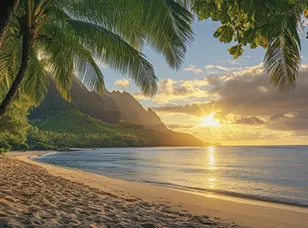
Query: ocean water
268 173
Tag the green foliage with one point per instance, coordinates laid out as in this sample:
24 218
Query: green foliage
23 147
70 36
14 127
72 129
48 140
5 146
272 25
3 151
61 131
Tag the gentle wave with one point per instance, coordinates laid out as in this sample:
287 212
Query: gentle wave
231 194
268 173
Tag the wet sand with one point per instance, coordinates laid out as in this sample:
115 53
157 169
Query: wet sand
40 195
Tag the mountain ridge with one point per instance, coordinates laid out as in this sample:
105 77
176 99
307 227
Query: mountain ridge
113 109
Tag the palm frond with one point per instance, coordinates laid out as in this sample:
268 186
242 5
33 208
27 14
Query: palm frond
10 53
165 24
57 53
70 34
282 59
188 4
87 71
36 82
117 54
78 61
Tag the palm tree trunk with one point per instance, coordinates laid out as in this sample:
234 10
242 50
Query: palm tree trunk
28 39
6 13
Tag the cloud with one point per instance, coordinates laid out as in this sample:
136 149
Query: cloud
239 61
182 91
166 86
222 92
171 91
123 83
250 120
248 96
218 67
247 105
195 109
180 126
224 73
209 89
194 69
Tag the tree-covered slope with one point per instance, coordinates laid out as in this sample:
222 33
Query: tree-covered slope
84 100
71 128
110 108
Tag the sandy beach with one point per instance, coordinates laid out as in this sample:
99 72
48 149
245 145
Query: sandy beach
40 195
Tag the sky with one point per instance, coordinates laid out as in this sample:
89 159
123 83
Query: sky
211 87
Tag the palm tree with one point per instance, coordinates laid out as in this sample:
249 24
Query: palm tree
64 39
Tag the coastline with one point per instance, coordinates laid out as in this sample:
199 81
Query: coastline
240 213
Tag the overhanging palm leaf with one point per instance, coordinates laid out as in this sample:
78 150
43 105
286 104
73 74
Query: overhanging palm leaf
282 59
36 81
116 53
69 58
10 58
165 24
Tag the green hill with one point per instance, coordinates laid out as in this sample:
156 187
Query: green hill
71 128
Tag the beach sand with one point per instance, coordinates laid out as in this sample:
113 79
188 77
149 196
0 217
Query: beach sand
41 195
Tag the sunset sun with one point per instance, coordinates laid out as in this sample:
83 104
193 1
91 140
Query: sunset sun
209 120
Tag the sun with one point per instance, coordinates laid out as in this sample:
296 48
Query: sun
209 120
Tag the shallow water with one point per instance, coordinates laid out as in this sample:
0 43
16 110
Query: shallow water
278 174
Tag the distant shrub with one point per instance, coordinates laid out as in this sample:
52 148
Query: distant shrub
43 146
49 140
23 146
61 148
5 145
3 151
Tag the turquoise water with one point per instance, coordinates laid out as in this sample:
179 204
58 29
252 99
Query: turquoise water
278 174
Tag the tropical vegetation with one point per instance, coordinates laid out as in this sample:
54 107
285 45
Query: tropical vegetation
14 126
273 25
50 133
70 38
63 40
66 39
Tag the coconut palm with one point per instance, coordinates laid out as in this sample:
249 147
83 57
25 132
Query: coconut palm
66 39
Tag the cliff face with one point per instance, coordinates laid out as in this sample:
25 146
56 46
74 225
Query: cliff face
52 103
110 108
87 102
94 105
134 112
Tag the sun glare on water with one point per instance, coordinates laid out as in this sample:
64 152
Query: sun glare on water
209 121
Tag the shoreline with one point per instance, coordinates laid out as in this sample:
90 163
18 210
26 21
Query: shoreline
30 196
241 213
245 199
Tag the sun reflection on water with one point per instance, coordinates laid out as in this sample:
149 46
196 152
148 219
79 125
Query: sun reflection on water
211 158
212 166
212 181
